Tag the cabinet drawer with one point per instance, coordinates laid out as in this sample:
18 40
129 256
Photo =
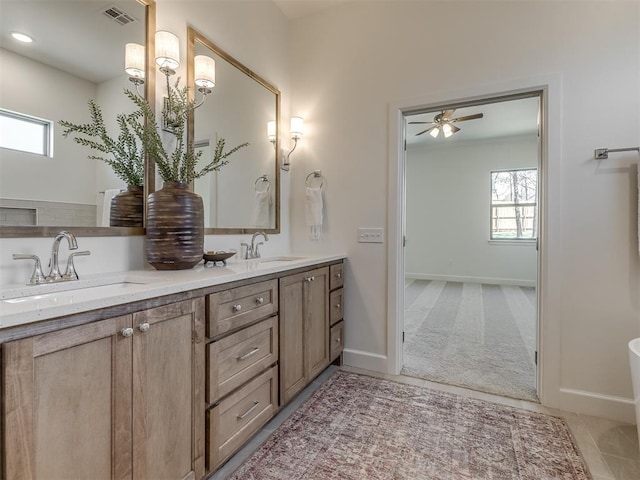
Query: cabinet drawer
235 359
336 306
337 340
337 276
237 307
236 418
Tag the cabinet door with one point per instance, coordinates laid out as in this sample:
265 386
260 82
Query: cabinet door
67 403
316 306
292 335
168 392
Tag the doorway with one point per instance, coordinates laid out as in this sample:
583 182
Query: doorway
470 212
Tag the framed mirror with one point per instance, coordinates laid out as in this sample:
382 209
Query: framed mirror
244 195
77 54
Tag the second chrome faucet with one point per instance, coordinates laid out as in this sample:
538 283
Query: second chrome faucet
253 250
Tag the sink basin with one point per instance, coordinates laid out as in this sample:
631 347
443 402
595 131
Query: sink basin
281 258
92 287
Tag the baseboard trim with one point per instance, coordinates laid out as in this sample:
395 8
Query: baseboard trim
365 360
460 278
606 406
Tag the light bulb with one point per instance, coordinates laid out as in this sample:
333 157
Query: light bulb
446 129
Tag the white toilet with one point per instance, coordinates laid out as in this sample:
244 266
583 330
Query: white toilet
634 360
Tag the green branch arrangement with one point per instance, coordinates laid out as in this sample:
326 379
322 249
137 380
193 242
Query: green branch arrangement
179 165
126 153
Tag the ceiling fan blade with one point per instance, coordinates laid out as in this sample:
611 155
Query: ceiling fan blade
467 117
424 131
417 123
454 129
447 113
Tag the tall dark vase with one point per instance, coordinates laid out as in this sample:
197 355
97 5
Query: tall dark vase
175 227
127 208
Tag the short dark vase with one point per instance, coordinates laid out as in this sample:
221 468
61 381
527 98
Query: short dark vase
175 227
127 208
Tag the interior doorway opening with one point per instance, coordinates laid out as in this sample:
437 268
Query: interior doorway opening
470 220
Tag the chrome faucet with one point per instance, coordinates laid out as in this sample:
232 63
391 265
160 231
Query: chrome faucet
54 272
38 277
253 250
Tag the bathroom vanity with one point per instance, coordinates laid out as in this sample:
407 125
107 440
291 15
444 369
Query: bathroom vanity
160 374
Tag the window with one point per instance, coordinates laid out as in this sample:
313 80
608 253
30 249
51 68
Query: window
25 133
514 204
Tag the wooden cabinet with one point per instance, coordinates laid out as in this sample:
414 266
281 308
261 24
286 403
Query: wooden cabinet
304 329
121 398
242 371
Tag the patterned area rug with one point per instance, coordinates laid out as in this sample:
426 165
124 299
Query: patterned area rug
473 335
356 427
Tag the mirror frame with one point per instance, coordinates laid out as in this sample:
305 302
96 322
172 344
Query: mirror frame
194 36
149 179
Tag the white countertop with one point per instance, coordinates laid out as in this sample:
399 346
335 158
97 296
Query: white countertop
21 304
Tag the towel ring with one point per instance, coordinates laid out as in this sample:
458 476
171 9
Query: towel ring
312 175
262 179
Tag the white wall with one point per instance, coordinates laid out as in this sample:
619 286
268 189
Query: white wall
350 63
265 51
447 208
36 89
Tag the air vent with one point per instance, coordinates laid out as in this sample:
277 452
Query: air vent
118 15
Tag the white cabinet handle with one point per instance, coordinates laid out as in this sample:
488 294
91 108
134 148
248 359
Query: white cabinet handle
126 332
308 279
251 409
338 275
237 307
259 300
143 327
337 305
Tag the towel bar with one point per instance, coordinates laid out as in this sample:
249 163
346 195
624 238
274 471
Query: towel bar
314 174
603 153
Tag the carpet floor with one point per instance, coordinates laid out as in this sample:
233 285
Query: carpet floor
472 335
356 427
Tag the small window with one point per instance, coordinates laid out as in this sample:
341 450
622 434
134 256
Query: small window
25 133
514 209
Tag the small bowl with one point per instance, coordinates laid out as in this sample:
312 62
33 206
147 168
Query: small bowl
217 257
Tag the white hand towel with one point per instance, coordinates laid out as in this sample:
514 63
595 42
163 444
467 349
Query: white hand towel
261 209
313 211
106 206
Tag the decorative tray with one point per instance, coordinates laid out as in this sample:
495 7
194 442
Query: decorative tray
219 256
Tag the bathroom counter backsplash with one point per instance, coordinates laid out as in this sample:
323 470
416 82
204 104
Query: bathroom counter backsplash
23 304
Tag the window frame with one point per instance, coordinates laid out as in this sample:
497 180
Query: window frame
513 240
48 130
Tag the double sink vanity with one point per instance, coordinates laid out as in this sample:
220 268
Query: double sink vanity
161 375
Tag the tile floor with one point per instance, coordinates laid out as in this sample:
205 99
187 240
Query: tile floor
610 448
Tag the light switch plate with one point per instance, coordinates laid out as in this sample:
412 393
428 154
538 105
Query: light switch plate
371 235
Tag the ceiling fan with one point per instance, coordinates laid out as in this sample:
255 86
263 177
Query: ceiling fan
443 121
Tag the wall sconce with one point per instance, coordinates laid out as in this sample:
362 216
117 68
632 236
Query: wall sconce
167 52
134 63
297 130
204 68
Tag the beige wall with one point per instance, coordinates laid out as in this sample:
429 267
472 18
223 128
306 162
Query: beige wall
350 63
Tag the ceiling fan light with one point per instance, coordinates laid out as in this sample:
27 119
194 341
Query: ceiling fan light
434 132
446 130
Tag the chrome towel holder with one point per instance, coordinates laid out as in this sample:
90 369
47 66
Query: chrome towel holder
262 179
603 153
312 175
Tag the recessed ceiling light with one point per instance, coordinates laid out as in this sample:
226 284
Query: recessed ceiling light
22 37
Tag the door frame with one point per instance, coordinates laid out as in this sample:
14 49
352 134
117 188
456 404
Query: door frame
549 209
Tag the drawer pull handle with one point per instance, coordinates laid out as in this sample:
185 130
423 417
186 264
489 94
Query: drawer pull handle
337 305
338 275
259 300
237 307
251 409
253 351
126 332
308 279
143 327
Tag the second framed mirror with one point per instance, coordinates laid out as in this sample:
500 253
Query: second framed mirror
244 195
